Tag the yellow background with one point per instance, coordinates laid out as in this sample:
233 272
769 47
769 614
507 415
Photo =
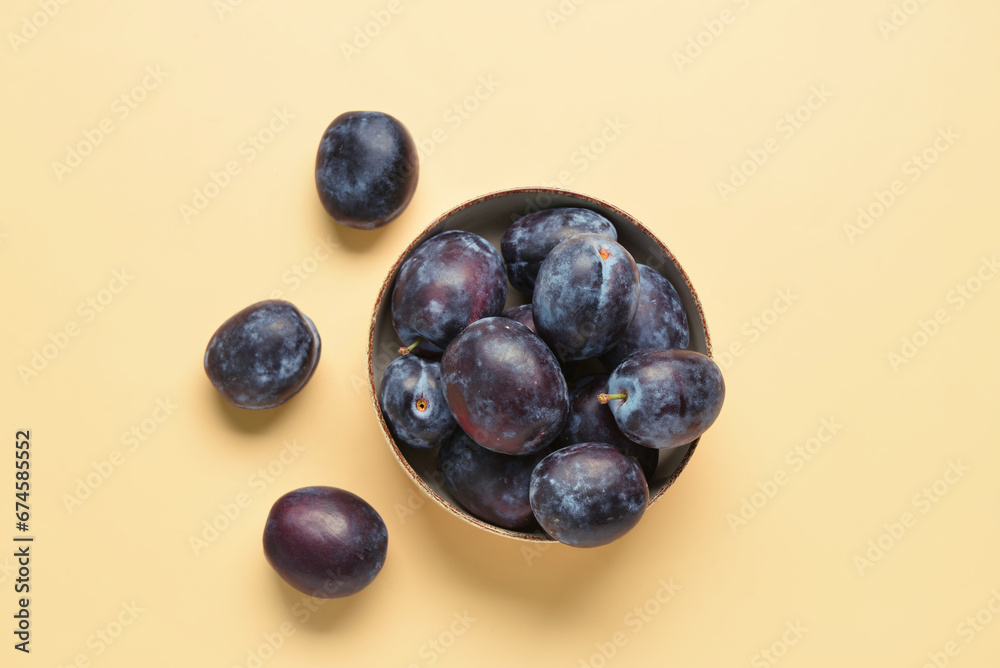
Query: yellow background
822 573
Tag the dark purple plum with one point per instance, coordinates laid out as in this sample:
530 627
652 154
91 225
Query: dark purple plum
666 398
521 314
263 355
659 322
505 387
324 541
585 297
366 169
413 403
530 238
449 281
490 485
590 421
588 494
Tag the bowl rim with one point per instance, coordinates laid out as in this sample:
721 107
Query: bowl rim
386 288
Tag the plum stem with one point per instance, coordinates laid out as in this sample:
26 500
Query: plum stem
605 398
406 350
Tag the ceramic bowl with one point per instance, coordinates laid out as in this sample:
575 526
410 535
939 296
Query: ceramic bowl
488 216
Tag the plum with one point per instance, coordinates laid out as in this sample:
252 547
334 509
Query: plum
490 485
521 314
660 320
504 386
588 494
530 238
586 294
325 541
664 398
590 421
366 169
413 403
448 282
263 355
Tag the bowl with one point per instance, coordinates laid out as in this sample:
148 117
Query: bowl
488 216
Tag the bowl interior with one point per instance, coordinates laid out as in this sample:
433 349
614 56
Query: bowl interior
488 216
